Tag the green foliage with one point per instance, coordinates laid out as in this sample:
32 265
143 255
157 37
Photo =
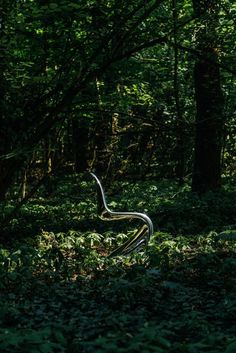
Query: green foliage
59 293
108 63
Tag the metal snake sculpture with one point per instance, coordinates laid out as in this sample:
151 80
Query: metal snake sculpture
140 238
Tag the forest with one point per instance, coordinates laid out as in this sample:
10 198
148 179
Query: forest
142 93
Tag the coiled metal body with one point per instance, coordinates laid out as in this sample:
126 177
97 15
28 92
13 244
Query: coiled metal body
141 236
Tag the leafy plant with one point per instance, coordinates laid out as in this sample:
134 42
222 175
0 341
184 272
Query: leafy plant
60 293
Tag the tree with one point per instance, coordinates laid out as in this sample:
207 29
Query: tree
52 55
209 101
82 41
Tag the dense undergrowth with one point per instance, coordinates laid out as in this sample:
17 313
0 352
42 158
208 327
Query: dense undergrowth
60 293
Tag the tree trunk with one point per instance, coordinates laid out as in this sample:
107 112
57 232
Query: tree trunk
180 145
209 103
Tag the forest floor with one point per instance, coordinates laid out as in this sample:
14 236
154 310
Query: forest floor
60 293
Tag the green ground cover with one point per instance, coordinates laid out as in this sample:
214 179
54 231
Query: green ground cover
60 293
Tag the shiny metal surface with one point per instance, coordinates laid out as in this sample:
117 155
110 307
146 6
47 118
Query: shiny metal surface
140 238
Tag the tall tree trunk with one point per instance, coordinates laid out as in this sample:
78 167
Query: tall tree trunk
209 102
4 164
180 148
